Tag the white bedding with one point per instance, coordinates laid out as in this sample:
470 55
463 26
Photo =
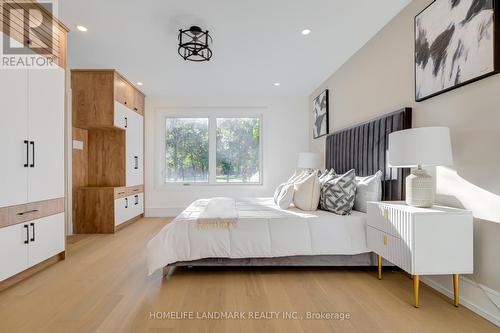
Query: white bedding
263 230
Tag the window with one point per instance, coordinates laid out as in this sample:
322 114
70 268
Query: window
186 150
238 150
213 149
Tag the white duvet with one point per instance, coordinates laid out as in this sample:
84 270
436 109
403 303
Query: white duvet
263 230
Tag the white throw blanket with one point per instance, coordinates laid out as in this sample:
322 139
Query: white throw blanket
220 213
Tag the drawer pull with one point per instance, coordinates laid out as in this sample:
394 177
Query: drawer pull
28 212
136 190
386 214
385 240
121 192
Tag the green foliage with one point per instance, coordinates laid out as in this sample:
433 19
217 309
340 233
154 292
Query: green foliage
237 156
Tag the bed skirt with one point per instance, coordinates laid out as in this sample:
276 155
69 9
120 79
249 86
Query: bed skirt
363 259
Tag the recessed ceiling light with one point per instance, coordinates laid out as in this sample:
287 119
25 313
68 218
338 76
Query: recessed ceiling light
306 32
140 83
277 84
81 28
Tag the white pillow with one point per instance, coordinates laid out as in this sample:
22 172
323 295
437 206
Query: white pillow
285 197
368 189
277 192
306 193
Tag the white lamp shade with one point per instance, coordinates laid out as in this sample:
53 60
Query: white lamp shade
420 146
308 161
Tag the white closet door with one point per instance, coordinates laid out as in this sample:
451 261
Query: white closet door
46 132
13 133
133 141
46 238
140 150
14 253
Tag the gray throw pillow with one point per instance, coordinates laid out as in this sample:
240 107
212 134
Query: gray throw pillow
338 194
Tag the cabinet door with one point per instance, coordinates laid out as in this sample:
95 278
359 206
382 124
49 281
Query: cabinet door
14 251
46 133
13 133
122 208
46 238
120 117
134 150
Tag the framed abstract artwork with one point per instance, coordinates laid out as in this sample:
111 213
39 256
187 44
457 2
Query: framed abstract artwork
456 43
320 115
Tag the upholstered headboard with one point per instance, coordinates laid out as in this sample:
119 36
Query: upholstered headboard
364 148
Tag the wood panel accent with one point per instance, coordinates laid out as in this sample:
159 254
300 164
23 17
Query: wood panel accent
106 157
31 271
95 210
51 30
102 286
80 158
139 102
122 192
93 99
30 211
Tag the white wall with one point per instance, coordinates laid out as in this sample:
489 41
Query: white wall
284 134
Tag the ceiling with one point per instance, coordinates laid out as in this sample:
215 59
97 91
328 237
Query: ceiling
256 43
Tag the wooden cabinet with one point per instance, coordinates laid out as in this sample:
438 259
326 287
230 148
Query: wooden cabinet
94 95
111 112
51 34
107 209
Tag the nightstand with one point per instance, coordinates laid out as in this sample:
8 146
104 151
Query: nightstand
421 241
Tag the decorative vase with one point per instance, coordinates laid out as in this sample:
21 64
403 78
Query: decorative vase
419 189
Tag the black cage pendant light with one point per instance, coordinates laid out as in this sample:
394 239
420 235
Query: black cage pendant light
194 44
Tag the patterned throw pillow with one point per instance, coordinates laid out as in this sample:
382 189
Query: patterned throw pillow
338 194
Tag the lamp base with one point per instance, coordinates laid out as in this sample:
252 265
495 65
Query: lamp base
419 189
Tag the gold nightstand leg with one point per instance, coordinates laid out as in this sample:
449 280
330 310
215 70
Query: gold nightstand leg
456 289
416 285
380 267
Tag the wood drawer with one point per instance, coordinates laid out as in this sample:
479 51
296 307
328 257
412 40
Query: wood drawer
391 220
121 192
30 211
391 248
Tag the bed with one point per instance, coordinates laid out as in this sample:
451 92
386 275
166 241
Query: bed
269 236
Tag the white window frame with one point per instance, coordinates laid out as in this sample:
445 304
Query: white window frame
212 114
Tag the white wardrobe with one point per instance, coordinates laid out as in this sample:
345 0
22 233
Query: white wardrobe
32 168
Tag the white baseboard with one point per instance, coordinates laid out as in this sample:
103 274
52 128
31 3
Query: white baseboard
163 212
474 296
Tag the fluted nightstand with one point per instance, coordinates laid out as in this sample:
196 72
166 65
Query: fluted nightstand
422 241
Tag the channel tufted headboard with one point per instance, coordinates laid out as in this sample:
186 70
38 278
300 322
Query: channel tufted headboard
364 148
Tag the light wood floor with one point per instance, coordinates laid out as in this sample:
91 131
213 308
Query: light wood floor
102 287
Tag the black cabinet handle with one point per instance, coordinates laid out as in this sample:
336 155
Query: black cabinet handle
32 165
28 212
126 122
26 142
27 240
125 102
136 199
135 109
33 226
126 202
136 162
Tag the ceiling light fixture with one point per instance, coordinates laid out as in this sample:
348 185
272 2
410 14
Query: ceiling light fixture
81 28
277 84
194 44
306 32
140 83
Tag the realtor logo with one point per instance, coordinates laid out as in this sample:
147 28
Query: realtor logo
28 35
